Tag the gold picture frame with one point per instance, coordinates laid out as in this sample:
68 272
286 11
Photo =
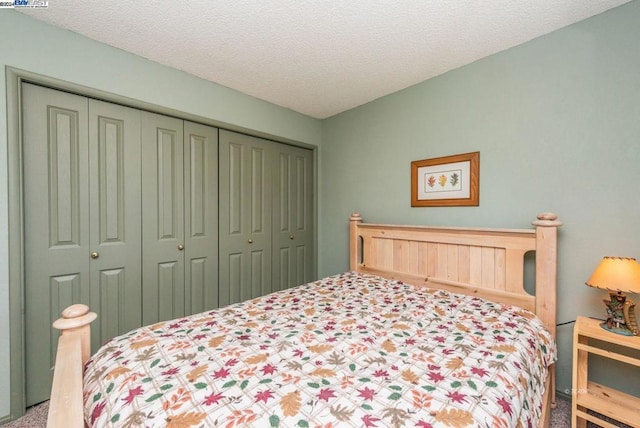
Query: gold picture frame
446 181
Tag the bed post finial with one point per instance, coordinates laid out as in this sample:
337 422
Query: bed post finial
77 318
354 240
547 220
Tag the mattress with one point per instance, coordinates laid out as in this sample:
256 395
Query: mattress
348 350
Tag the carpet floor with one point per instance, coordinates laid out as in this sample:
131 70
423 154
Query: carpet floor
36 417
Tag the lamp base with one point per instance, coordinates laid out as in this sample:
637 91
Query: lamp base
621 317
618 330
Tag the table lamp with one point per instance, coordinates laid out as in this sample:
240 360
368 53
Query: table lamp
618 275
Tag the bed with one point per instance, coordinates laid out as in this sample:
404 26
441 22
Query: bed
430 327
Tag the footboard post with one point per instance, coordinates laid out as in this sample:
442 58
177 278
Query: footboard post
74 349
354 241
546 278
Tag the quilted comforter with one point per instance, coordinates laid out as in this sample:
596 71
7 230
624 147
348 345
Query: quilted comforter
349 350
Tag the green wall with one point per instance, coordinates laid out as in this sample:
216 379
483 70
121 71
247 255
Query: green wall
31 45
557 124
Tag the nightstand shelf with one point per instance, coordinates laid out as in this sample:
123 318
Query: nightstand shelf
589 395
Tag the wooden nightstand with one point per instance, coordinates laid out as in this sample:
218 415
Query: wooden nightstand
587 395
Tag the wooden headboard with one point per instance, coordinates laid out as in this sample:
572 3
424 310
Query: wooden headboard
487 263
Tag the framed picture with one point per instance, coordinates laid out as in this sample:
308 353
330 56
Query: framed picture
446 182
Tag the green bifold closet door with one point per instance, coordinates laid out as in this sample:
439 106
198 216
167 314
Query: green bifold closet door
292 220
120 213
266 216
180 210
82 219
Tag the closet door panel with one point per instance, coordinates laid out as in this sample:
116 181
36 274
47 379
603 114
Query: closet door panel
285 273
56 218
259 272
304 265
201 217
245 217
232 173
163 212
233 272
110 294
200 288
233 233
304 227
259 218
116 219
170 290
258 188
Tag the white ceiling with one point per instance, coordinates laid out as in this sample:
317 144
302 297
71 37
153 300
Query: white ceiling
317 57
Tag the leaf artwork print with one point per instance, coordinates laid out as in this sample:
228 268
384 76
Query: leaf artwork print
442 180
431 181
351 349
454 179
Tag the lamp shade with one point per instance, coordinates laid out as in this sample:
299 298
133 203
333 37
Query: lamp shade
616 274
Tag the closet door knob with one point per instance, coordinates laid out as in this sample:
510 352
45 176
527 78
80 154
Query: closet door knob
180 247
95 255
250 241
291 237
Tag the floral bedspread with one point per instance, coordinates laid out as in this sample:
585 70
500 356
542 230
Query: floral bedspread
349 350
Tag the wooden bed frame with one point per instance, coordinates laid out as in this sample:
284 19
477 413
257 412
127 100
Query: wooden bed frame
487 263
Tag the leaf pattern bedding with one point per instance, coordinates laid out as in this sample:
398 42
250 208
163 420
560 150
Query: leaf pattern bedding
351 350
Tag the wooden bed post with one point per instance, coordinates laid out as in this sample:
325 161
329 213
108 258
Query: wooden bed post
74 349
354 241
546 268
546 279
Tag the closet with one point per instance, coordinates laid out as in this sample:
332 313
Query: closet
120 213
266 216
141 216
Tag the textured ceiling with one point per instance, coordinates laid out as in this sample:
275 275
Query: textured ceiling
317 57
